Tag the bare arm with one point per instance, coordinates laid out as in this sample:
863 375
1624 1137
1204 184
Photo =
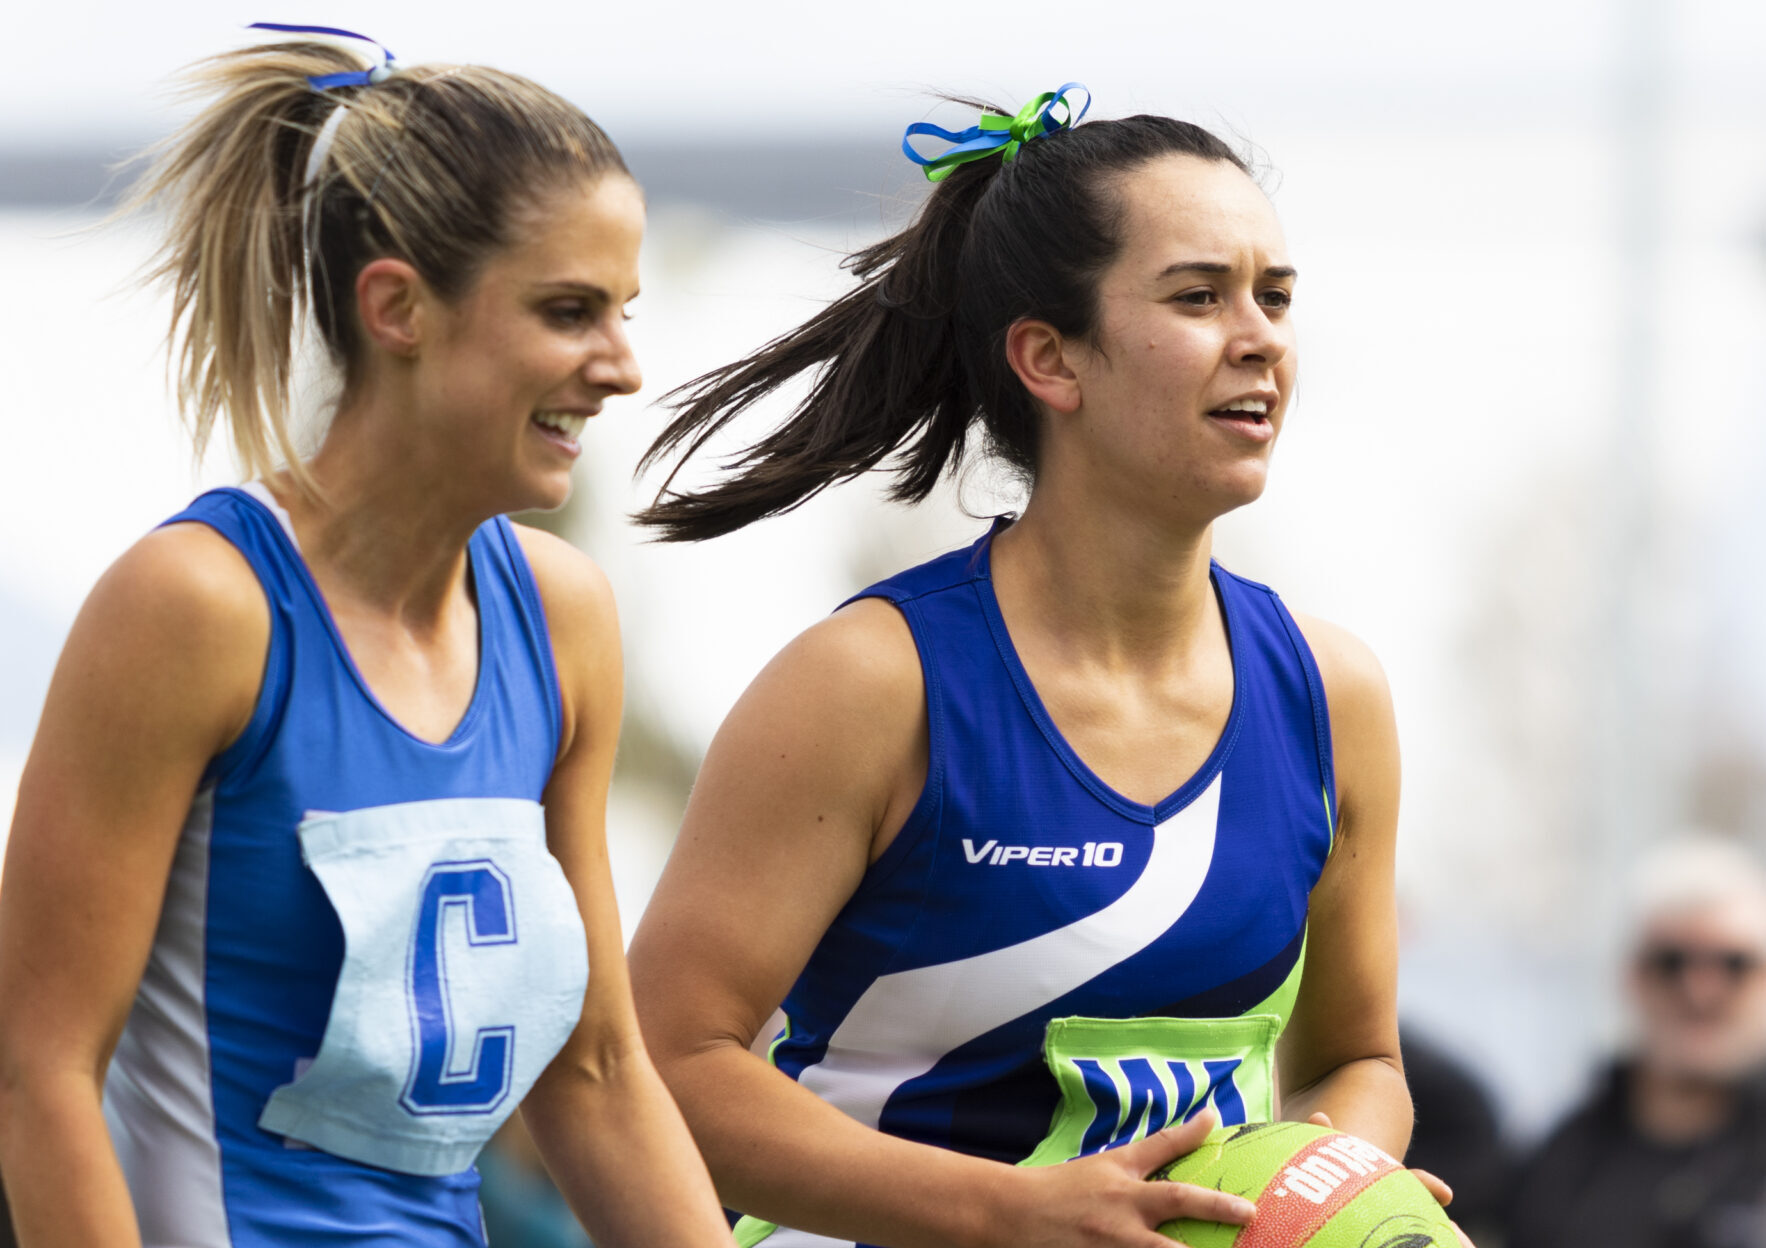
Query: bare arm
813 772
160 672
605 1124
1339 1055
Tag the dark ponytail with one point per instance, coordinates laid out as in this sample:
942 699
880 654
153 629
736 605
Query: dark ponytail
907 361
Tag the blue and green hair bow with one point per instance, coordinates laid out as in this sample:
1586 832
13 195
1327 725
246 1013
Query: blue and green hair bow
997 134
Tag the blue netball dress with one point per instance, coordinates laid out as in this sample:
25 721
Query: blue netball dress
366 954
1038 968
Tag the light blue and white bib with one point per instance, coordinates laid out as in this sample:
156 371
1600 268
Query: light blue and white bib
463 974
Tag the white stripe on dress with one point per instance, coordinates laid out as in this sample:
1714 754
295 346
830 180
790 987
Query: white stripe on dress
157 1096
904 1023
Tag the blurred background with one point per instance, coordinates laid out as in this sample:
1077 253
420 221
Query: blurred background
1523 463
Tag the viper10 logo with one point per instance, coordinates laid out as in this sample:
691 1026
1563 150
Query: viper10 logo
1091 854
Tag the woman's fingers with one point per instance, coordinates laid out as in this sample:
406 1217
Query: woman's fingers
1322 1119
1105 1200
1167 1201
1164 1201
1442 1193
1164 1147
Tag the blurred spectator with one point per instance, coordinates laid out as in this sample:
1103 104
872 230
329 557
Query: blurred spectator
1671 1150
1456 1135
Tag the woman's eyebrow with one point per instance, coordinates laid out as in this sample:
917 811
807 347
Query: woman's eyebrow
578 288
1215 266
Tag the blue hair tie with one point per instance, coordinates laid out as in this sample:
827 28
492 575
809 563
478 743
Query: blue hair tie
356 78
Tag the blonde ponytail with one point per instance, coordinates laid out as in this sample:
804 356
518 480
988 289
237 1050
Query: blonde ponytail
426 165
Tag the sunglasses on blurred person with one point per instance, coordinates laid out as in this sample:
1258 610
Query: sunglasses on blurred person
1672 963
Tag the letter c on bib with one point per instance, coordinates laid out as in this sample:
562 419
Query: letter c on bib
481 891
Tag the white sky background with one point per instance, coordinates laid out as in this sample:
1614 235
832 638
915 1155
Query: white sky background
1447 177
816 67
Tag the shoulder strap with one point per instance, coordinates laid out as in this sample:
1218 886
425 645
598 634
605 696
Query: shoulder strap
246 523
514 614
1274 632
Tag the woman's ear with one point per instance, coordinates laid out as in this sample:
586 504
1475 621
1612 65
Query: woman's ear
1037 353
389 295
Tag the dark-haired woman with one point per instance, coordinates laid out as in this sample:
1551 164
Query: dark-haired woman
307 887
1040 845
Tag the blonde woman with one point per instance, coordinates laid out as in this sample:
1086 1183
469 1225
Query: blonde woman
307 888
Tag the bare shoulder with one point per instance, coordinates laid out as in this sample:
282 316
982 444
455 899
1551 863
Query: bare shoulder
175 634
837 721
181 591
1364 730
852 678
864 649
572 586
190 571
1354 681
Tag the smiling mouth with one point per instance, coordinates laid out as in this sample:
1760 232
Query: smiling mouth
1247 417
1252 411
568 425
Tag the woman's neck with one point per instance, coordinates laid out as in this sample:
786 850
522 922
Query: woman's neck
1111 581
386 528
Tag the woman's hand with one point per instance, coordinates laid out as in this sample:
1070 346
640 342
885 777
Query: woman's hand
1443 1193
1105 1201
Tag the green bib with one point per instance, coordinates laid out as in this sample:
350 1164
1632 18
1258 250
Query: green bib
1122 1078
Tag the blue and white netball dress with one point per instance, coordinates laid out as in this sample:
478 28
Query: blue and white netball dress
367 954
1038 968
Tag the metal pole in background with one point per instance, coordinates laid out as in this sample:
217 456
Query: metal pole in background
1630 806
